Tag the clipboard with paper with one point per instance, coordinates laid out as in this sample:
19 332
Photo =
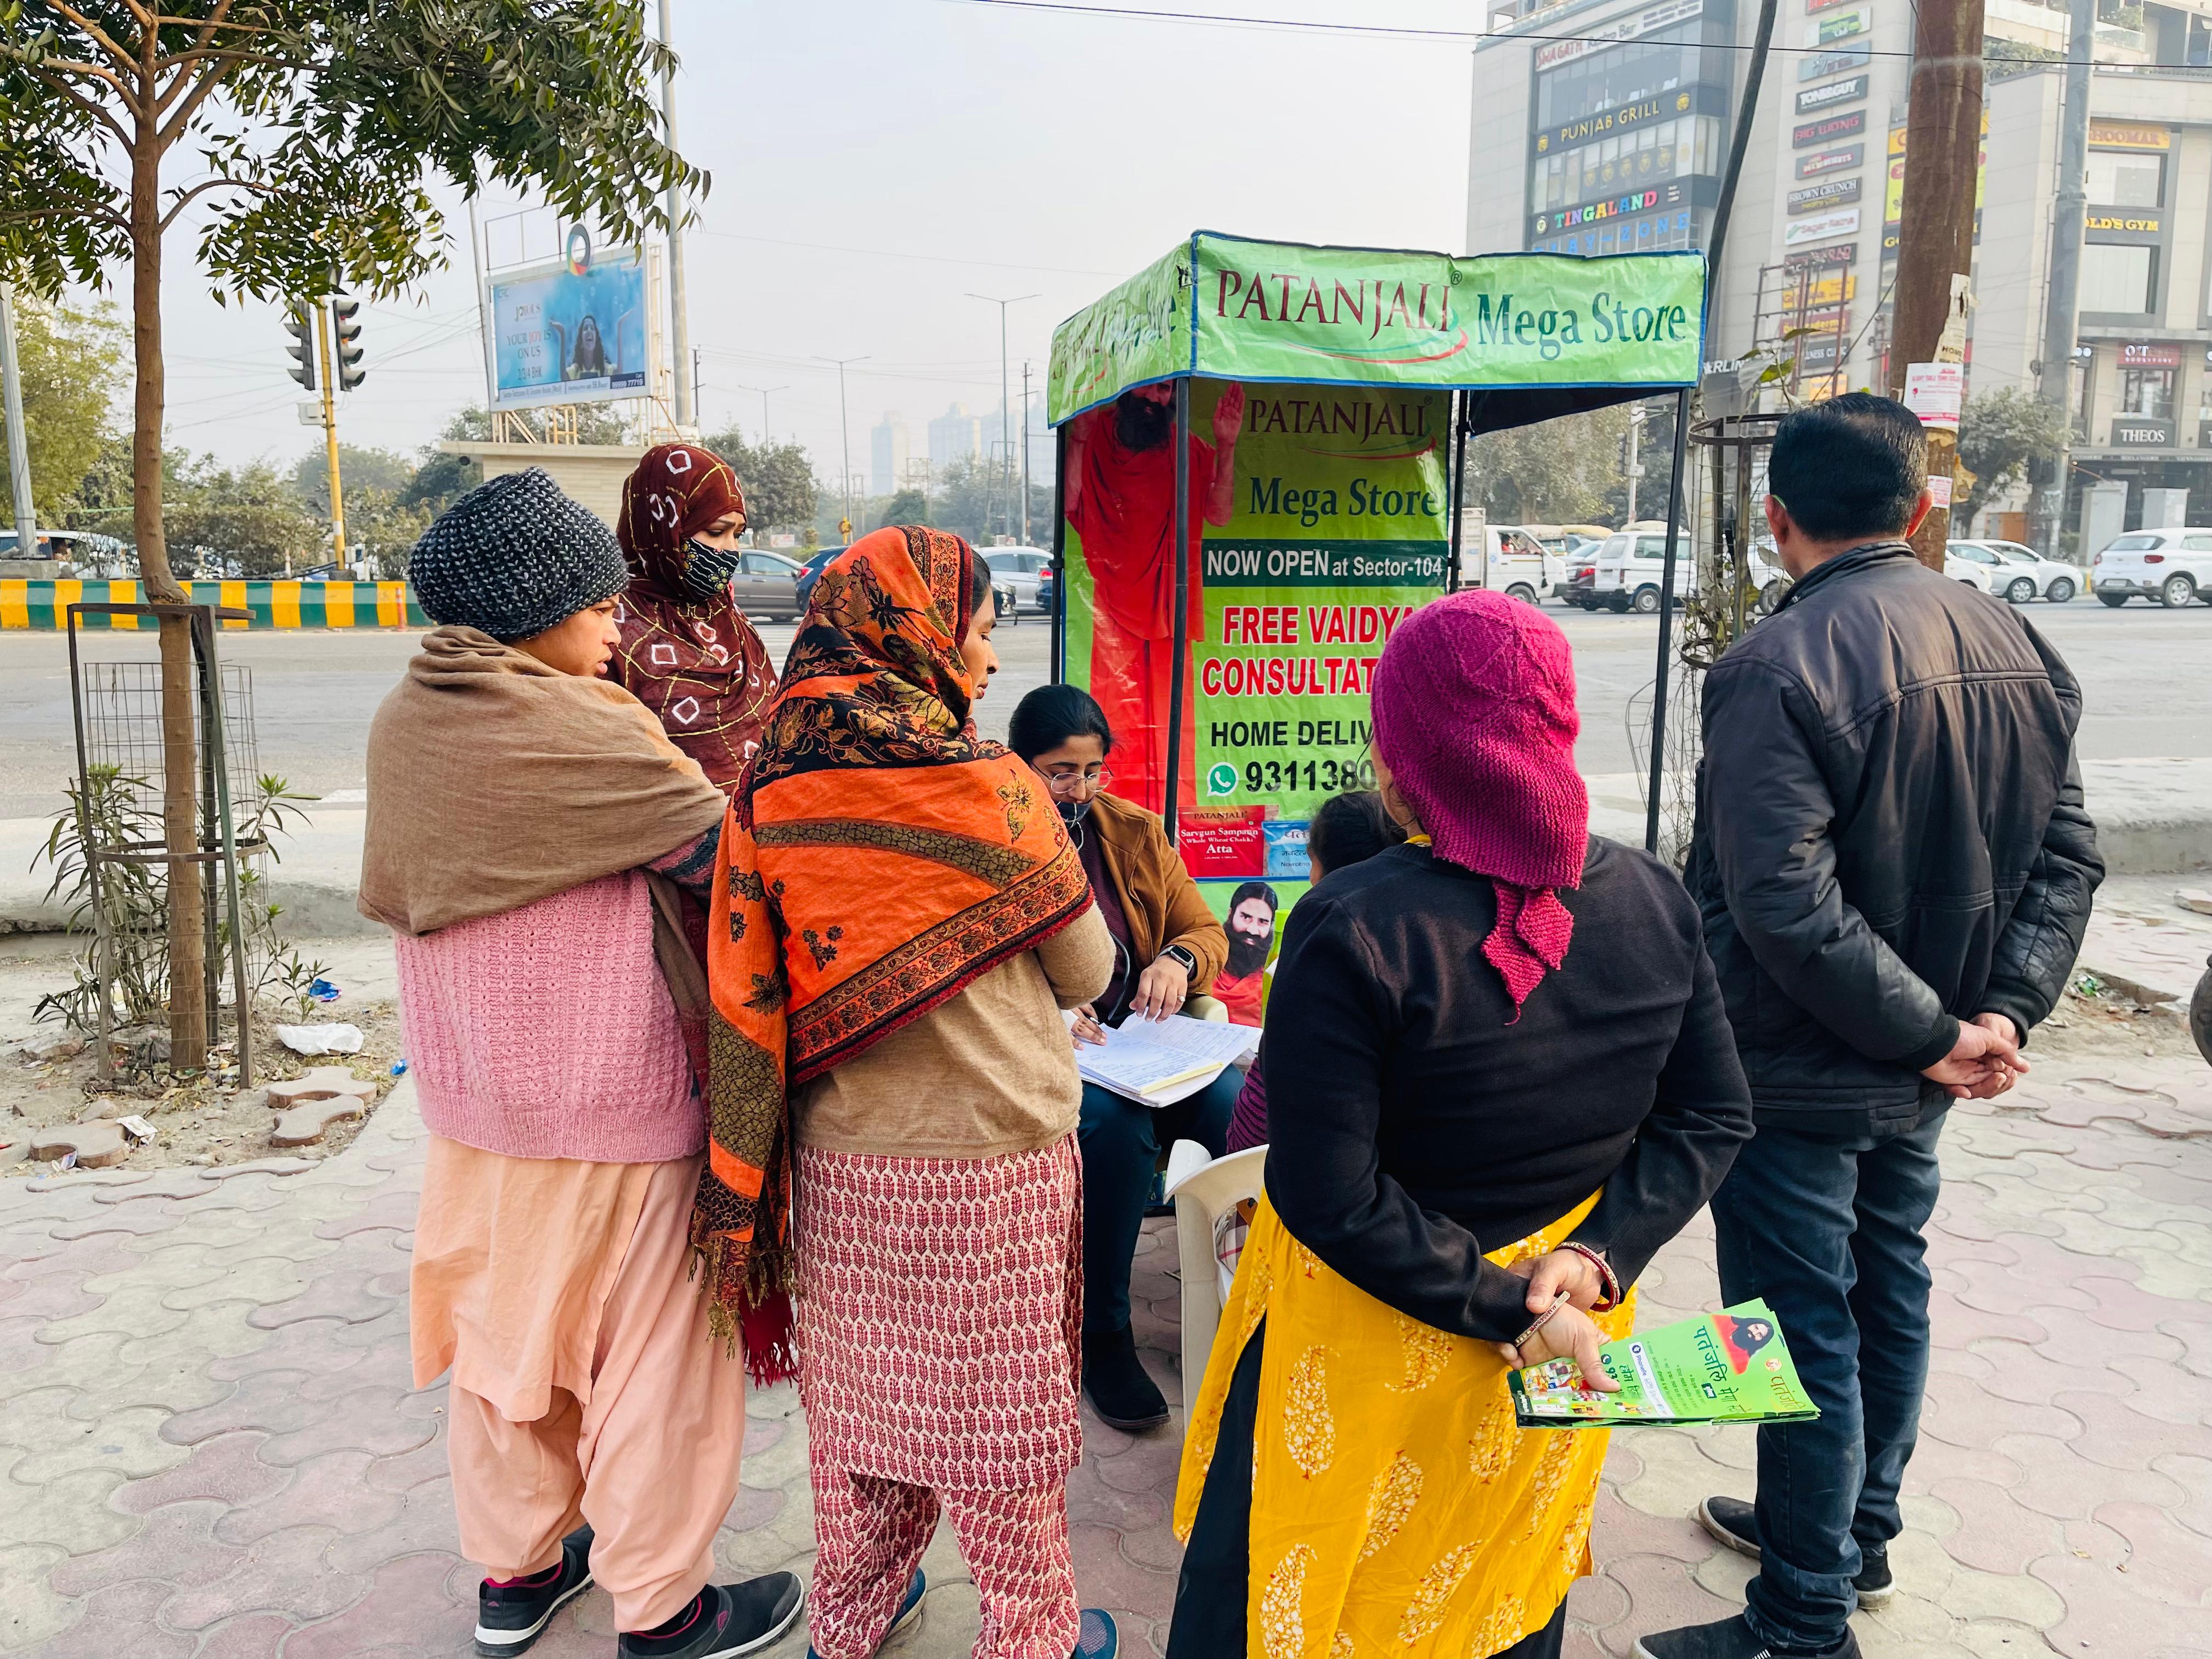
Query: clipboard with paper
1159 1062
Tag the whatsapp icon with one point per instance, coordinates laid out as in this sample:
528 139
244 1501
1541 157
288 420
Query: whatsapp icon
1221 779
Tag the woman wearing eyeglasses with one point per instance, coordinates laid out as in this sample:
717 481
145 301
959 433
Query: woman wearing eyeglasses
1168 947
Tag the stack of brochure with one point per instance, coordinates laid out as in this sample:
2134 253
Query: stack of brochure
1729 1367
1162 1061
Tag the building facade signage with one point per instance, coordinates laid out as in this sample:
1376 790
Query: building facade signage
1845 223
2143 432
1814 99
1830 161
1822 259
1701 98
2129 134
2112 227
2150 356
1815 197
1827 128
1812 6
1674 194
1835 63
1839 26
1650 20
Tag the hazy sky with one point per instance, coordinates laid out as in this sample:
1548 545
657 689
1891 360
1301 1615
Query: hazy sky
874 160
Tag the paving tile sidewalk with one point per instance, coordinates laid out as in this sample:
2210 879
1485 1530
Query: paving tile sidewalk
210 1446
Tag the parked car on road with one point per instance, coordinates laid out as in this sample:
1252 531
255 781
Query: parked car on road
766 585
2173 567
1510 561
1021 571
816 561
1977 573
2020 574
1630 568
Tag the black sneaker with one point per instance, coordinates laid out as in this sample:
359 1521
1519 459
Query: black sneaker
909 1613
1735 1523
723 1621
1121 1393
512 1616
1098 1638
1731 1638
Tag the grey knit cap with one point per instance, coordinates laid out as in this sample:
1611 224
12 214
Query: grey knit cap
514 556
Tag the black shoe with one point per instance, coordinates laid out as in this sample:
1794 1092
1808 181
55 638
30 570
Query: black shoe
1098 1638
1122 1396
909 1613
725 1620
510 1617
1735 1523
1731 1638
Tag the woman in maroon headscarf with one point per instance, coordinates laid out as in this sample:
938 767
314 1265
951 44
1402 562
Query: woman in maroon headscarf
688 653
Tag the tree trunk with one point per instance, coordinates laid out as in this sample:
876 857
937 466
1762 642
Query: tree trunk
188 1026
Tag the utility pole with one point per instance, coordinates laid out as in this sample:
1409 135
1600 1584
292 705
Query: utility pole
1025 452
18 443
679 323
1635 431
323 326
2061 305
764 390
1936 242
844 434
695 406
1006 433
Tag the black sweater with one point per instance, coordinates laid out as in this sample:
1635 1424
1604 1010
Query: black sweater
1412 1129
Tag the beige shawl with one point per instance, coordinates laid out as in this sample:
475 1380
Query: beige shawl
494 781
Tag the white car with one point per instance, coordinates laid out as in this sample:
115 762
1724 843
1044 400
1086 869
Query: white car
1979 574
1020 570
2020 574
2173 567
1630 567
1517 564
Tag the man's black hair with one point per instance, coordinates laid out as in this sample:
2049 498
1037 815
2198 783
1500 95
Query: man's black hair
1254 890
1854 465
1351 829
1050 715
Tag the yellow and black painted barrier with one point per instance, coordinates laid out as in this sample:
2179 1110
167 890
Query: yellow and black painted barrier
44 605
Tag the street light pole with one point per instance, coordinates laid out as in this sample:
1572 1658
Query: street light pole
2062 315
1025 453
844 434
1005 434
19 445
763 391
679 324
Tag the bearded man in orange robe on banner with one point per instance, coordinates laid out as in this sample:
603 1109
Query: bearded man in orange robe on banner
1120 501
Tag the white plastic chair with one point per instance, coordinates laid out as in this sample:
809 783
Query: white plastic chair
1206 1192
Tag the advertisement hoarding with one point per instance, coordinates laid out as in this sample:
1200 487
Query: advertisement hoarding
569 330
1830 161
1845 223
1814 99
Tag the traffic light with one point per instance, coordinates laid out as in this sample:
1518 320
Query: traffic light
345 319
300 326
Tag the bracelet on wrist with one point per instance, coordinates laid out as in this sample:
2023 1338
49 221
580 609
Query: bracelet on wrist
1542 1319
1611 1299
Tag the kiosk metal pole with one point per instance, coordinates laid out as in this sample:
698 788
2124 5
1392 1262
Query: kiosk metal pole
1182 626
1058 657
1666 621
1455 452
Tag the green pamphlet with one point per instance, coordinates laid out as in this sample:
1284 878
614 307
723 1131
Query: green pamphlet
1729 1367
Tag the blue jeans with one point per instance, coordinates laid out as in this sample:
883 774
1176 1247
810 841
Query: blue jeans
1121 1141
1828 1229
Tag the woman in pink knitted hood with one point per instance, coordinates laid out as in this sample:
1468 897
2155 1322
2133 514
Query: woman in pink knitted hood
1500 1077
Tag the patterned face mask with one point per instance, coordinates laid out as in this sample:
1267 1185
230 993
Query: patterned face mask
708 570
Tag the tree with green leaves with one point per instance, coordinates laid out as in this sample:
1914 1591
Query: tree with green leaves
903 507
69 357
2002 435
311 133
778 479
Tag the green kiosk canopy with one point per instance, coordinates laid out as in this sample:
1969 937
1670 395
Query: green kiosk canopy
1293 416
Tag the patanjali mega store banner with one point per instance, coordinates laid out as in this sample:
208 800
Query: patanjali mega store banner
1319 516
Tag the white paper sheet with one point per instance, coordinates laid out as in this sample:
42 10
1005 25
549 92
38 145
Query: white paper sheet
1140 1055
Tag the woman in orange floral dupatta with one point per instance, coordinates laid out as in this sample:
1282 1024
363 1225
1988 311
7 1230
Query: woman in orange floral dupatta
898 919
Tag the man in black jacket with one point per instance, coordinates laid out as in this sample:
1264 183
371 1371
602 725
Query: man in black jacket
1895 868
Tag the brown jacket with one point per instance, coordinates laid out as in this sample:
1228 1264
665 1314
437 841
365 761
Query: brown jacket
1159 900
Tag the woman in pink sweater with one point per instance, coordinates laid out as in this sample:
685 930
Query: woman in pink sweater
539 848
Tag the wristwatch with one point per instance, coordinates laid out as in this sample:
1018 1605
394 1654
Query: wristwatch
1183 957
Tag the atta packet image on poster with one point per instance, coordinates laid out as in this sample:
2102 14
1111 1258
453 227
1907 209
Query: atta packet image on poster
1729 1367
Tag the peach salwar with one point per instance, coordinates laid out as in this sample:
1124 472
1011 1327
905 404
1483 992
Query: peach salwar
585 1384
1396 1507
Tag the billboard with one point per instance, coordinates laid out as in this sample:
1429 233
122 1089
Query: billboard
569 330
